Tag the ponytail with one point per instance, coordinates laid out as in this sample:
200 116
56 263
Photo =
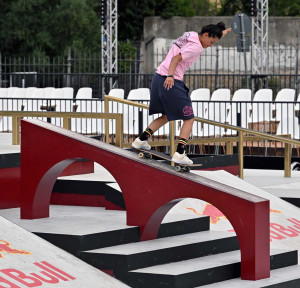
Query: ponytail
214 30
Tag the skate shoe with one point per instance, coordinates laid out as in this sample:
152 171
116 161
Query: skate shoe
181 159
139 144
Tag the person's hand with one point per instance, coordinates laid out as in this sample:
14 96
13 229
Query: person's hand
226 31
169 83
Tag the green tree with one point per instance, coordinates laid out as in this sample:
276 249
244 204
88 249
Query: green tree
132 13
276 7
30 27
231 7
49 27
284 8
196 8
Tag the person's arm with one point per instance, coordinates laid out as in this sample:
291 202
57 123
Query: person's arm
169 82
226 31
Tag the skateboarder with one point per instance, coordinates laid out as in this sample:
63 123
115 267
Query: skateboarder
169 95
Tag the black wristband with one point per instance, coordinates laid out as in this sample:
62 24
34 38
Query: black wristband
170 76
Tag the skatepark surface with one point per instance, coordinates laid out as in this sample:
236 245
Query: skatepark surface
72 272
26 259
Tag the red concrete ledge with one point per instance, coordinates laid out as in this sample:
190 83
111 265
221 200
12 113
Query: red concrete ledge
150 189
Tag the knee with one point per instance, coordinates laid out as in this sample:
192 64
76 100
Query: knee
164 117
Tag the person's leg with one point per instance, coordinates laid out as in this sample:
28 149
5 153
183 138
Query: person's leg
179 156
178 105
141 141
158 122
156 107
186 128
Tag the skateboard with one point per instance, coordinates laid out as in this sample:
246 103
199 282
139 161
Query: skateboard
178 167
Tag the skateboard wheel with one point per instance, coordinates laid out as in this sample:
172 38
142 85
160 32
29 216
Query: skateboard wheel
141 155
148 156
187 169
177 168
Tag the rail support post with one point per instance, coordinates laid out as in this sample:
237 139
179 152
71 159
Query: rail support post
241 155
106 110
16 130
287 158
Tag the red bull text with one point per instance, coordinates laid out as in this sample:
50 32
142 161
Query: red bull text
14 278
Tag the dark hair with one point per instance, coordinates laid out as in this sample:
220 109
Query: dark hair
213 30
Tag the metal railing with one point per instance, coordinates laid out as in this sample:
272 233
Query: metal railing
271 113
128 81
243 135
67 116
135 120
217 67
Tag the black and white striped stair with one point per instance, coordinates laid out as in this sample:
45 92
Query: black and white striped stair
160 251
186 254
199 271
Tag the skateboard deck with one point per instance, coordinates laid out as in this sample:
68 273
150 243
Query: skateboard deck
178 167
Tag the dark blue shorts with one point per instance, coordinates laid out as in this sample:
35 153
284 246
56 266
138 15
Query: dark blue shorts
175 103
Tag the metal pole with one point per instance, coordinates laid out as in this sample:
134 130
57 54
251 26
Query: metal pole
260 41
217 66
109 44
241 155
172 138
140 119
106 110
16 130
0 69
243 40
296 66
69 68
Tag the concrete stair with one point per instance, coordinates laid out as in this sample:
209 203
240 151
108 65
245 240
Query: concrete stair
160 251
287 277
75 244
199 271
186 254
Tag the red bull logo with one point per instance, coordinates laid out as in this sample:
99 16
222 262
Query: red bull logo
209 210
216 215
277 231
5 247
275 211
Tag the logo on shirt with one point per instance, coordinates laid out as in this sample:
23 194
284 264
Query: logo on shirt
183 40
188 111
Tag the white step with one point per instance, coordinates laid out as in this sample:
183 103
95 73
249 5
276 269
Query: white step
164 243
200 263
